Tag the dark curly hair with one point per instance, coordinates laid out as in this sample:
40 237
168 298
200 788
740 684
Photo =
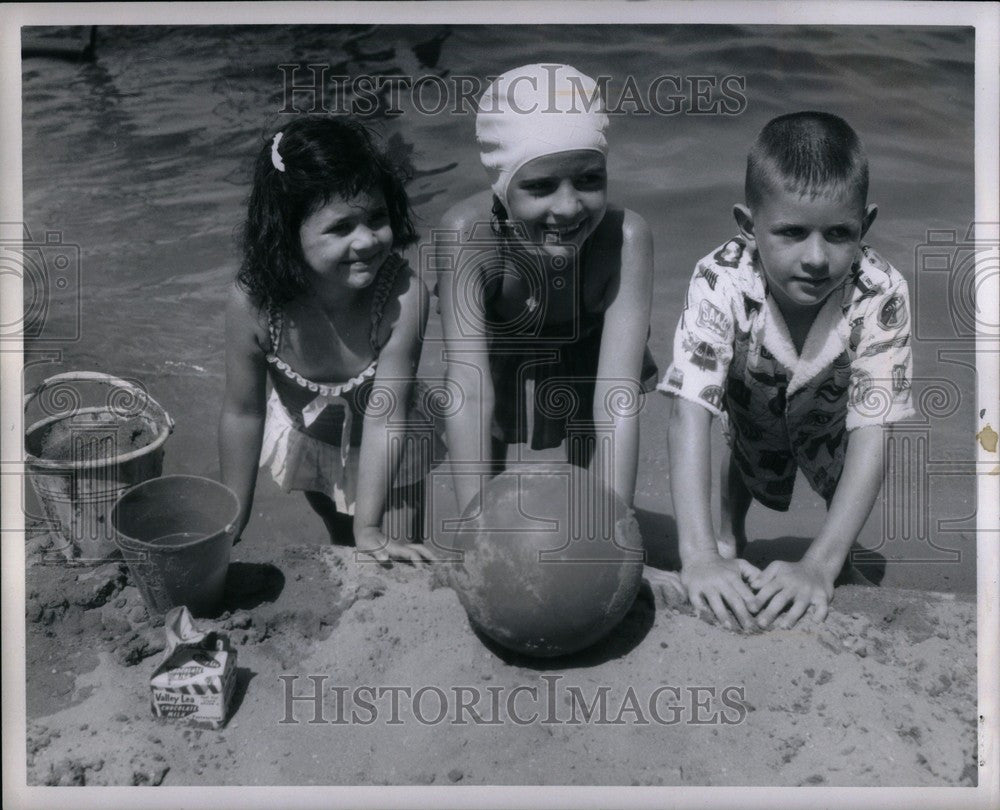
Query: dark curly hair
323 157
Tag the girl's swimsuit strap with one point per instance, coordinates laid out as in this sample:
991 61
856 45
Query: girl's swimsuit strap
273 328
386 279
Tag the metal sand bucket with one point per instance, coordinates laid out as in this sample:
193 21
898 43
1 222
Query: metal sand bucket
95 460
176 534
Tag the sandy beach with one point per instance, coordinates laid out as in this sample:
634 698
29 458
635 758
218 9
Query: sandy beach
882 693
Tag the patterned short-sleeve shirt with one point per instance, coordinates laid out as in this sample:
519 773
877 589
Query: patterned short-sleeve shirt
734 356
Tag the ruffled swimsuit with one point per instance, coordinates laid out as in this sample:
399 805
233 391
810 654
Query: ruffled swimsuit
312 436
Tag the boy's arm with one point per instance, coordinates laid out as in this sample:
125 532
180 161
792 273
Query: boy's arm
810 581
691 479
703 349
711 581
881 370
390 397
241 423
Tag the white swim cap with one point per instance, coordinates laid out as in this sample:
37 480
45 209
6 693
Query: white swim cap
537 110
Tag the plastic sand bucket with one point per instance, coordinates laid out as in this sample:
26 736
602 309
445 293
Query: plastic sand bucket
176 533
80 459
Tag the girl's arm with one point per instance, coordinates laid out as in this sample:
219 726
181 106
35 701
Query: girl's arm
241 425
397 366
618 394
469 428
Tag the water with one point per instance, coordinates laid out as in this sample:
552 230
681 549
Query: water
141 159
176 539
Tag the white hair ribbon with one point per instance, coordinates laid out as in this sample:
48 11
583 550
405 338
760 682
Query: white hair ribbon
276 160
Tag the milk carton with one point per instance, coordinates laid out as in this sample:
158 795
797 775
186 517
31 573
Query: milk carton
196 677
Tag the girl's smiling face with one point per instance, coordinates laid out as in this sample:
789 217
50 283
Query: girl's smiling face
345 242
560 199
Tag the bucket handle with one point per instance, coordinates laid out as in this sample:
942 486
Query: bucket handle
91 376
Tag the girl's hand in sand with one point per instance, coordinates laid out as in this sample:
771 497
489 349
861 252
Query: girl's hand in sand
792 585
372 542
722 586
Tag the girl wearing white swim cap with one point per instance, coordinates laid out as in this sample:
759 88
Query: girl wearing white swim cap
546 285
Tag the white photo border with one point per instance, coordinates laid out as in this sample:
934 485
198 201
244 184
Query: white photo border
984 17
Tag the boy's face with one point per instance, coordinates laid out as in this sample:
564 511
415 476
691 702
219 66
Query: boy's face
806 242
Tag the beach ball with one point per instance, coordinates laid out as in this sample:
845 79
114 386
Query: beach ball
551 560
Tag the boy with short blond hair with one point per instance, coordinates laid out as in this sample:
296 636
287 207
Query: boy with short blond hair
797 335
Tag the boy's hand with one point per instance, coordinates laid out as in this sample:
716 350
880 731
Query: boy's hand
719 584
795 585
372 542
